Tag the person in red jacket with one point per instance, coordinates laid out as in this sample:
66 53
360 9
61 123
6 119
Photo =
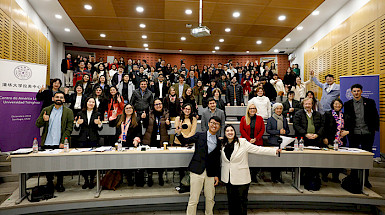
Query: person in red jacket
252 126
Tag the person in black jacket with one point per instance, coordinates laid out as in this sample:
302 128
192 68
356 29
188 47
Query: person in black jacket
67 68
86 84
142 98
129 131
362 122
101 101
291 106
309 124
46 95
160 85
270 91
334 130
77 99
204 166
89 123
234 93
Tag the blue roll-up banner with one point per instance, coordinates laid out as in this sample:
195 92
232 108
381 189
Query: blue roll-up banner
370 89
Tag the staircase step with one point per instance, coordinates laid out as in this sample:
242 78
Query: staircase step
8 177
3 158
5 166
6 190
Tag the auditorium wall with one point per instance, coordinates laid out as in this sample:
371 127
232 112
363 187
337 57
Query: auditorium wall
355 47
189 59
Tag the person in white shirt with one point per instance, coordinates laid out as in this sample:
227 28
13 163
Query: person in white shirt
300 88
278 84
262 103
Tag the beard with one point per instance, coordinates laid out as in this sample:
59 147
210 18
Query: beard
58 102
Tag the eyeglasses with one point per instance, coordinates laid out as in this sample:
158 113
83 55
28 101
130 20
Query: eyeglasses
187 108
129 108
252 108
215 123
158 104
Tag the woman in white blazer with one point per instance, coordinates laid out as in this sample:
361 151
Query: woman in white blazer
235 168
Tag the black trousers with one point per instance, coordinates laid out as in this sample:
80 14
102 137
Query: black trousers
50 175
237 198
365 142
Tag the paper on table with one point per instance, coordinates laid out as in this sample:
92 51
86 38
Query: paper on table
103 148
286 141
81 150
22 151
55 151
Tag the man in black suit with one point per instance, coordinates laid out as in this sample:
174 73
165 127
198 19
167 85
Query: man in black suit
204 166
161 87
362 122
290 106
67 69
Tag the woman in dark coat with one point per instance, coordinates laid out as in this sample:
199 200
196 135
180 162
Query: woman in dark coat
157 124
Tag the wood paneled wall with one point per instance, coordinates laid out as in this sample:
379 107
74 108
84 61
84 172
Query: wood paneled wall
356 47
20 39
174 59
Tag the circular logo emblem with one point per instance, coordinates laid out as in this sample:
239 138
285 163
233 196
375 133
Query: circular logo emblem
23 72
349 94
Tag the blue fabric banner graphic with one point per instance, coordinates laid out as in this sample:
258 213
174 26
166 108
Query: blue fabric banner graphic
370 89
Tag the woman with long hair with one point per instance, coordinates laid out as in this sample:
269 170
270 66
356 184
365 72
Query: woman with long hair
77 99
289 78
252 126
246 83
102 82
129 131
198 92
156 134
187 121
101 101
86 84
89 123
316 104
189 98
234 168
116 102
300 88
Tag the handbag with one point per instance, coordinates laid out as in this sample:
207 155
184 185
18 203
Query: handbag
111 180
40 192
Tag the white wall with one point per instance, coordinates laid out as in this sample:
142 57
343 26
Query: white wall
339 17
56 48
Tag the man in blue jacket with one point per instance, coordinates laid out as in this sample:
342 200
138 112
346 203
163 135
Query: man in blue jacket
330 91
204 166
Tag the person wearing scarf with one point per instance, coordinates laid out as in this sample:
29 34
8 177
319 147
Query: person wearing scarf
334 130
277 125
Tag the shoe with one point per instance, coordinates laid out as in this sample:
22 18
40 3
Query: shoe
150 182
85 185
91 185
161 181
368 184
60 188
325 179
50 185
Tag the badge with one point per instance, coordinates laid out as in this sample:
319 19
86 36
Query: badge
158 137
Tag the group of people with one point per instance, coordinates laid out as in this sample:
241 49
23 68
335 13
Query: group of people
129 104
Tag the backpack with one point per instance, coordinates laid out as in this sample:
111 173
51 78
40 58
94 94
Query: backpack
111 180
42 192
351 184
313 183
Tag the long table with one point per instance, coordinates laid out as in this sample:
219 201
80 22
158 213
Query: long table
134 159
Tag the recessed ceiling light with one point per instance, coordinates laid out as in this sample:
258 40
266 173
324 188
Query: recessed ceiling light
109 46
142 25
146 49
221 40
180 50
259 42
188 11
87 7
247 51
216 47
102 35
282 17
228 29
57 16
144 36
315 13
299 28
139 9
288 39
183 38
236 14
67 29
145 45
276 50
213 51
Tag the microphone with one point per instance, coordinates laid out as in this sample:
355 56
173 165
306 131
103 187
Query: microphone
184 126
279 142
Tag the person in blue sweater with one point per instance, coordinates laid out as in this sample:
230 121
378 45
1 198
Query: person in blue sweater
330 91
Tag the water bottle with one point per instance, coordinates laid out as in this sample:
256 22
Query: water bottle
335 146
66 145
296 144
105 116
301 144
288 117
35 146
119 145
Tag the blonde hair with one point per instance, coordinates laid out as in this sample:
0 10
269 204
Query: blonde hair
247 117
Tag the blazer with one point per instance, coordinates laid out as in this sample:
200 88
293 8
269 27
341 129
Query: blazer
67 121
271 128
164 89
176 86
259 130
327 97
371 115
87 90
103 106
72 100
238 165
142 103
330 128
201 159
132 132
63 66
206 115
88 132
188 81
300 123
286 106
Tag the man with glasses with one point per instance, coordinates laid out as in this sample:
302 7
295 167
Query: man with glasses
211 111
204 166
57 121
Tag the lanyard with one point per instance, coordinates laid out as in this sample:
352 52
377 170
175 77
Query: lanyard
158 123
125 124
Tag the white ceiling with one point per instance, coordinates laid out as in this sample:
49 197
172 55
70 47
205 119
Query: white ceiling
47 9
